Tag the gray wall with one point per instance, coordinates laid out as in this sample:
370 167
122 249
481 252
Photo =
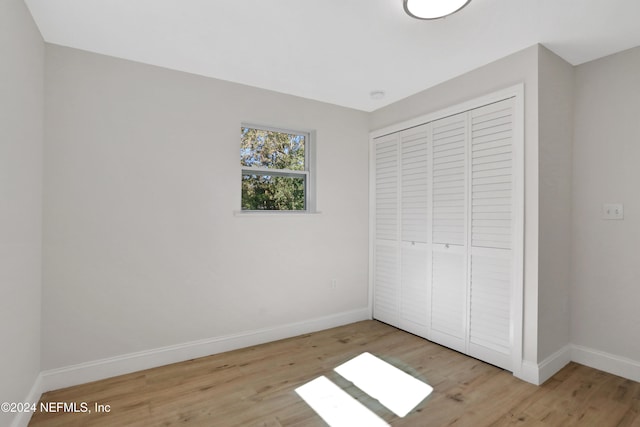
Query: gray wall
21 100
555 129
514 69
606 259
141 245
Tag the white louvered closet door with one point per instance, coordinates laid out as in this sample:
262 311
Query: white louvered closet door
414 200
492 232
386 272
449 232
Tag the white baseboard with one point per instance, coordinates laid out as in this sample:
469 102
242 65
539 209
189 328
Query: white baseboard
22 419
538 373
529 373
552 364
105 368
621 366
607 362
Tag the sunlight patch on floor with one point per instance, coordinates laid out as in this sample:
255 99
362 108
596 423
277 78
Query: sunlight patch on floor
396 390
336 406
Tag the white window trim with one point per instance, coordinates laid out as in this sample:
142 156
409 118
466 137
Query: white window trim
308 173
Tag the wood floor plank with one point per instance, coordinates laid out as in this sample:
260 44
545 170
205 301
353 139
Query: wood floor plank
256 386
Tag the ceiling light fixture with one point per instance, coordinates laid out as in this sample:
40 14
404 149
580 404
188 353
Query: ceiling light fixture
433 9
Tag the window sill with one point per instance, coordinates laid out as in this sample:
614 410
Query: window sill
275 213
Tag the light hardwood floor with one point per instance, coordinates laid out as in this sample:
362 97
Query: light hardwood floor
255 387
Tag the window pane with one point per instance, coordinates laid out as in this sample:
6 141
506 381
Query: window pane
261 192
270 149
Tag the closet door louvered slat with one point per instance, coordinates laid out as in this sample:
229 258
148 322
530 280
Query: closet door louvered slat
448 278
492 175
414 225
386 271
386 188
449 180
414 294
415 179
448 298
492 210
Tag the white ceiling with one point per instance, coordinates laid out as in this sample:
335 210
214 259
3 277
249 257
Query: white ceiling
335 51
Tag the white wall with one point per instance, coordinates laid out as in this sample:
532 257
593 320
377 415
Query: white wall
141 245
555 129
606 254
521 67
21 122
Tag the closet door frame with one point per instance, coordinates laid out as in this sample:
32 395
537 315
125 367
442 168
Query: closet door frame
517 294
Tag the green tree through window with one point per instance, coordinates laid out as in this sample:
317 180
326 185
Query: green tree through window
274 169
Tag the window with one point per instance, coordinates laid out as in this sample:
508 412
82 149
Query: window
276 172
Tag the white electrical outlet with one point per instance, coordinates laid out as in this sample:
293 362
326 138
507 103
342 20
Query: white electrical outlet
612 211
334 283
